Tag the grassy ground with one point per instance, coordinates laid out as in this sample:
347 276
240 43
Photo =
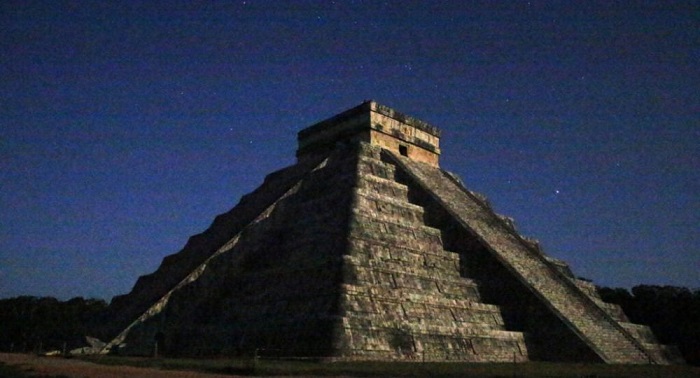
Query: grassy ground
401 369
10 371
7 371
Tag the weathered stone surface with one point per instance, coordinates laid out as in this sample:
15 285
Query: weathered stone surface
565 298
365 249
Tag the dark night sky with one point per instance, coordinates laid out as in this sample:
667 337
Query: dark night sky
125 127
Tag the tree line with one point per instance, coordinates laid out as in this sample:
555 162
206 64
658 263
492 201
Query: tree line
673 313
36 324
40 324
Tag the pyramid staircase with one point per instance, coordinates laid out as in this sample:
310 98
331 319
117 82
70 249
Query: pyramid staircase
596 327
402 294
366 250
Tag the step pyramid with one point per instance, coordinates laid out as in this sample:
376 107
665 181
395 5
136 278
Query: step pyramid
366 250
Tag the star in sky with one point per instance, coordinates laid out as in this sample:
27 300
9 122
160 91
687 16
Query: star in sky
126 127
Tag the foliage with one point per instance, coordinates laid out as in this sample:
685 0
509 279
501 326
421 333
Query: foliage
673 313
32 323
45 323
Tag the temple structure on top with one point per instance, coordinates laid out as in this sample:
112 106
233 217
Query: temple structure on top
377 125
365 249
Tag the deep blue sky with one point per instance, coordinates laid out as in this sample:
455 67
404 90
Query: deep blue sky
125 127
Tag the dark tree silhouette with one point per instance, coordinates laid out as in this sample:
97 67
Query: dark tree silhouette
45 323
33 323
673 313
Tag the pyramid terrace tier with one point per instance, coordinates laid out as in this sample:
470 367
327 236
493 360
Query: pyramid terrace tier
366 250
447 285
423 343
372 253
409 302
561 297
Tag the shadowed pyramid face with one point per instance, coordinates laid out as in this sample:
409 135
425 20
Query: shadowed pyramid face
377 125
366 249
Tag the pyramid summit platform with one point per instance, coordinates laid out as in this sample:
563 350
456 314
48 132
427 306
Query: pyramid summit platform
365 249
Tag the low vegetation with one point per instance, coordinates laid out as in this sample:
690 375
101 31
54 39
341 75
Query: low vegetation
31 324
673 313
263 367
11 371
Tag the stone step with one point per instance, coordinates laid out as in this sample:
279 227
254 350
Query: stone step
396 279
422 266
406 272
666 354
433 247
375 167
386 251
369 151
340 172
392 310
388 209
614 310
359 320
567 301
383 187
588 288
640 332
448 285
418 237
435 320
410 280
412 344
371 254
473 350
404 295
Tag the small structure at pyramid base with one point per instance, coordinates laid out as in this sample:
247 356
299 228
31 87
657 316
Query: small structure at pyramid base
366 250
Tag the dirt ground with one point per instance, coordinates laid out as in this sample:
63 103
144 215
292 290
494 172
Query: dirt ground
74 368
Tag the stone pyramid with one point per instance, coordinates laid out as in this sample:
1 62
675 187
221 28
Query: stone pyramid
366 250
